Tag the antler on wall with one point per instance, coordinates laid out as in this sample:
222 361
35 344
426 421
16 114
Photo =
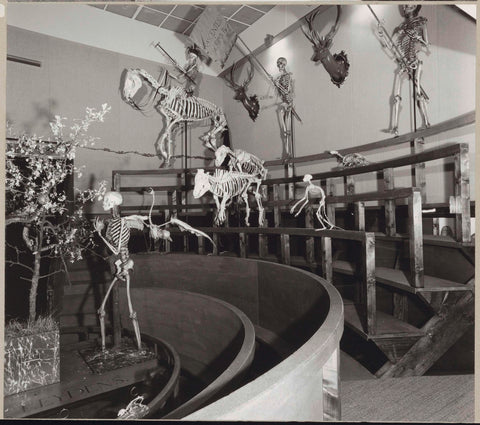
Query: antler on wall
336 65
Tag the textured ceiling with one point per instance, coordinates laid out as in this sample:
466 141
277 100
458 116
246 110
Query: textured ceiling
181 18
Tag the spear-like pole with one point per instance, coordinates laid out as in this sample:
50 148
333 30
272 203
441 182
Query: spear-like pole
395 50
174 62
277 86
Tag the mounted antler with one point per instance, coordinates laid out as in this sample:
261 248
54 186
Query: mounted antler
337 64
250 103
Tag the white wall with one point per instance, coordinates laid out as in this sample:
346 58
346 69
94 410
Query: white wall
359 111
74 76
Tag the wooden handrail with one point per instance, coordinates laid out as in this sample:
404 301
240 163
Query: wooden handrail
457 122
425 156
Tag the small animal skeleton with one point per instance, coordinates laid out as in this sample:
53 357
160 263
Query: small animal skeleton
405 44
116 238
350 159
241 161
134 410
336 65
314 191
177 106
227 185
250 103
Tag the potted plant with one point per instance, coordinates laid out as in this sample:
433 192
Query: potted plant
49 226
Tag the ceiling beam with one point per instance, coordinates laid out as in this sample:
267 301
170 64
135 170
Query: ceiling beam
281 35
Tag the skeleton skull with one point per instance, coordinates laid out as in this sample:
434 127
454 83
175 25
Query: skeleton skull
220 155
201 184
112 199
132 84
281 63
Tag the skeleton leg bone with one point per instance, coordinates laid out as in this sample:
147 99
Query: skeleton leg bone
397 98
133 314
101 312
421 100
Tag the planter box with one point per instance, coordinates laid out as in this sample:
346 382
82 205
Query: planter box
31 361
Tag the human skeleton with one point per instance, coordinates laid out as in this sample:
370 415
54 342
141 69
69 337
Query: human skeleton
314 191
177 106
410 36
227 185
241 161
284 84
117 236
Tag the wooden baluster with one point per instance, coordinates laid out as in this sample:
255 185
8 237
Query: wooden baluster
263 242
368 297
243 245
309 241
462 194
331 191
360 216
416 238
201 245
390 220
400 306
419 176
327 261
168 216
276 208
215 245
285 244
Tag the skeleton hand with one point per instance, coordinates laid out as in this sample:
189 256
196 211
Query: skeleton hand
99 225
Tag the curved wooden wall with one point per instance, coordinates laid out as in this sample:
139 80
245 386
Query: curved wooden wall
298 308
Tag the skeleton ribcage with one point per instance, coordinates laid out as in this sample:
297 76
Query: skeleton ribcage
229 183
189 108
407 39
254 166
119 235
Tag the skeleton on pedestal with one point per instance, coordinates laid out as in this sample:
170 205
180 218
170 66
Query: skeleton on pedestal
117 236
407 41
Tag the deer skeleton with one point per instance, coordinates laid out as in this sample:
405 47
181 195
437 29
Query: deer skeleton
177 106
241 161
314 191
250 103
227 185
116 238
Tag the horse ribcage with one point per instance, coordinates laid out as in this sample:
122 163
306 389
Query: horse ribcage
190 108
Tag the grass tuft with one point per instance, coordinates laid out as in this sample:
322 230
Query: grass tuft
42 324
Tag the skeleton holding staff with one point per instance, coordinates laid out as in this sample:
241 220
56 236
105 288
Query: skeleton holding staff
284 85
409 38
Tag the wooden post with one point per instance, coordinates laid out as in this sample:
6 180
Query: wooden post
416 239
419 176
276 208
462 194
285 244
263 242
215 245
360 216
201 245
243 245
168 216
369 283
349 185
390 220
309 241
116 183
327 261
331 191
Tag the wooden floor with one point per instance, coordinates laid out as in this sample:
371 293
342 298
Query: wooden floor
421 398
